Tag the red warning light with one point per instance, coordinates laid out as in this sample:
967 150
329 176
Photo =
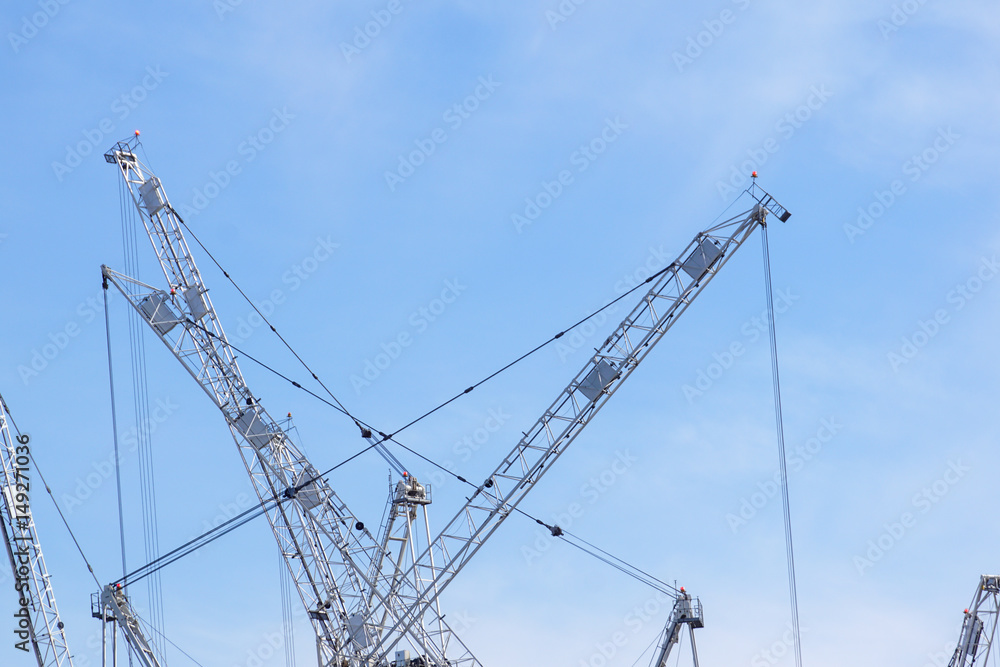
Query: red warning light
966 611
137 133
406 474
682 589
289 415
754 174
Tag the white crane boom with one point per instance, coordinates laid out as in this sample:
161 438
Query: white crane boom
37 617
499 494
328 551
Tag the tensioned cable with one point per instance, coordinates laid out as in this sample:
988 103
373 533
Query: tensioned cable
114 412
10 418
391 436
167 639
257 310
783 463
228 526
339 406
140 406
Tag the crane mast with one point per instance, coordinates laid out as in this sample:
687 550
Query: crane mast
112 606
670 294
328 550
686 611
979 624
37 617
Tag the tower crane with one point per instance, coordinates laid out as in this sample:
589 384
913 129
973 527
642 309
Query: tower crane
363 601
341 572
37 618
979 624
670 294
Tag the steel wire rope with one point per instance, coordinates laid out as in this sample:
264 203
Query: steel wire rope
226 526
257 310
90 568
167 639
782 457
140 402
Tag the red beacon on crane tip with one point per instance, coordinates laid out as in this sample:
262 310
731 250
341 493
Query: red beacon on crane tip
754 174
137 133
289 415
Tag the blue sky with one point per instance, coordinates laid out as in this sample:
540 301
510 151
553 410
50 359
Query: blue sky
337 182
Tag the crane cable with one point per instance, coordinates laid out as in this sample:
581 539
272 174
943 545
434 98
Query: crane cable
336 404
10 417
782 457
262 316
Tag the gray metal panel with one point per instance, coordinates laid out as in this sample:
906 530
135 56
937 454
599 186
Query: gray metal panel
158 313
597 380
152 197
703 257
196 302
253 429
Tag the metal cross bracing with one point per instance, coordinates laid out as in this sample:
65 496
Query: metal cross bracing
498 495
37 624
328 551
979 625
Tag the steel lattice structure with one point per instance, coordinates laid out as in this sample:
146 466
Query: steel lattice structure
328 551
44 631
363 600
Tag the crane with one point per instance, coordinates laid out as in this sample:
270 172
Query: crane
111 606
37 617
686 611
671 292
363 601
329 552
979 624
